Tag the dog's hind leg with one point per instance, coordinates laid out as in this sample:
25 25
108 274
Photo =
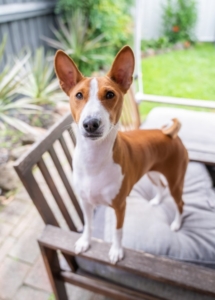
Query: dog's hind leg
116 251
177 195
160 183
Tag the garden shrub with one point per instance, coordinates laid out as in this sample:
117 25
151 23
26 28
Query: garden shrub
179 19
108 17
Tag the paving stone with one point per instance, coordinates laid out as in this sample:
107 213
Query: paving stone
10 180
23 195
5 229
12 274
26 247
31 220
6 247
28 293
14 211
38 278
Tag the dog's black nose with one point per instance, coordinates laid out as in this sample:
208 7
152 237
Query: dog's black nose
91 124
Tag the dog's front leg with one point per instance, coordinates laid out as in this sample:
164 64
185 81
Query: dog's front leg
116 250
83 243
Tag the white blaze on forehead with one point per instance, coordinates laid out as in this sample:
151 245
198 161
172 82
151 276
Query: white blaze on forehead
94 107
93 88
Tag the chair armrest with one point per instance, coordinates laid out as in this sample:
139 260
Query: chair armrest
135 262
140 97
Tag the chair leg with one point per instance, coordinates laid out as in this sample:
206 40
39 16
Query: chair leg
52 265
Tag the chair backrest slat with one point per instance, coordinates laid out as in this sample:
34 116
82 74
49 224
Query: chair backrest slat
135 111
38 198
66 150
44 170
72 135
66 182
130 118
33 157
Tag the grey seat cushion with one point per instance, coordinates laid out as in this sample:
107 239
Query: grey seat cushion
147 227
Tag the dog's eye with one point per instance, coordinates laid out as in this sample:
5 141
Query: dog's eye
109 95
79 96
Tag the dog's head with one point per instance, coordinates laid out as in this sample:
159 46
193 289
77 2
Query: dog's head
96 102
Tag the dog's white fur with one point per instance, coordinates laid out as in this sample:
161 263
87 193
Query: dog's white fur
97 178
95 109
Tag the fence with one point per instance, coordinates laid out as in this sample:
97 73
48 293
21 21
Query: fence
152 19
24 22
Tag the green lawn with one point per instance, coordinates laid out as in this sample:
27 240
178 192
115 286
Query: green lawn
186 73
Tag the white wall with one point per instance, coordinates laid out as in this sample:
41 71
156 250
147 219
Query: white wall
152 19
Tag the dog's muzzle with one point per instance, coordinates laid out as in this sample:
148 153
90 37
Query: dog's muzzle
92 128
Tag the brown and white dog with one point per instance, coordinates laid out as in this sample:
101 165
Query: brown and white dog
108 163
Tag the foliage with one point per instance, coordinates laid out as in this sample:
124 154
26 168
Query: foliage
108 17
76 40
161 43
10 136
40 87
177 74
10 80
179 18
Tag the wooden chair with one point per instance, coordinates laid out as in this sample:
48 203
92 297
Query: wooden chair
55 239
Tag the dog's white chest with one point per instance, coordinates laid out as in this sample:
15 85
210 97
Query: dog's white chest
94 182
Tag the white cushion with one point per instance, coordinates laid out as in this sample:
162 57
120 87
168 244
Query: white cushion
197 131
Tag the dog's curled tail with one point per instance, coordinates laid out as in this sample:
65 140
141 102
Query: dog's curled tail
172 129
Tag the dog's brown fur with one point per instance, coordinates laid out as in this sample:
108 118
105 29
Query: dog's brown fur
139 151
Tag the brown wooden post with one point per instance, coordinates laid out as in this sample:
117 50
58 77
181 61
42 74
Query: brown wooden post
52 265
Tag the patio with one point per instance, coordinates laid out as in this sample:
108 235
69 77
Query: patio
22 273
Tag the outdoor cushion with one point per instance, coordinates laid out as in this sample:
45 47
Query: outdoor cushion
197 131
147 228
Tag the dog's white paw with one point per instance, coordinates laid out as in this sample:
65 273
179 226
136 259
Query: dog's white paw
82 245
115 254
155 201
176 225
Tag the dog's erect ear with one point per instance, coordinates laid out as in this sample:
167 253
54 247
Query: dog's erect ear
122 68
66 71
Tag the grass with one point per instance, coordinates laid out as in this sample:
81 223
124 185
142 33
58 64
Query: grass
185 73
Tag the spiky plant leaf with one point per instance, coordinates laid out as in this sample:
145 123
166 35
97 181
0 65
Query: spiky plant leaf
40 86
76 40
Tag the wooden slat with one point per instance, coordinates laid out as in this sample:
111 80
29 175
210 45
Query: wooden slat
44 170
105 288
72 135
136 121
156 267
33 155
175 100
52 265
66 182
128 117
66 150
37 197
